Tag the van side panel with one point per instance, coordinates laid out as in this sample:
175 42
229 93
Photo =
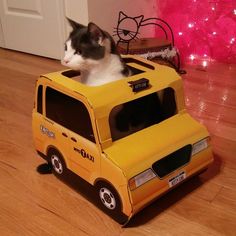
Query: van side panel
81 155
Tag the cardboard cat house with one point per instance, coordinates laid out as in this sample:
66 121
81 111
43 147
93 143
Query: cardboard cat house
131 139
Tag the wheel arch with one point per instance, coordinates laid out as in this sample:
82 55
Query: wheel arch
102 180
51 149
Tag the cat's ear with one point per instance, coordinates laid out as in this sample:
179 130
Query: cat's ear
74 24
122 15
139 19
95 33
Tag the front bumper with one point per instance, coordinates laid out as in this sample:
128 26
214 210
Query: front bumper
156 187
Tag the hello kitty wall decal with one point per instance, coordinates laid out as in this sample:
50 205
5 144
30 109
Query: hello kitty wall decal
130 40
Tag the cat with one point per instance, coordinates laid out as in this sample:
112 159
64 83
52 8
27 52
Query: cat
92 51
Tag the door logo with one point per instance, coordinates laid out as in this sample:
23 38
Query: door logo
47 132
84 154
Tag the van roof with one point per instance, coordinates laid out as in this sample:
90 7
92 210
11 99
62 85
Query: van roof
114 93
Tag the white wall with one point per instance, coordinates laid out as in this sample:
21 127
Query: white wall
76 10
105 12
1 36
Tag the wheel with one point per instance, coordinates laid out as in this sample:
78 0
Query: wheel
57 162
110 202
108 197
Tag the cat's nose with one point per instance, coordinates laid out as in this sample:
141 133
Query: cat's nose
65 61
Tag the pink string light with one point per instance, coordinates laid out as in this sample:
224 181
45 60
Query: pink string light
204 30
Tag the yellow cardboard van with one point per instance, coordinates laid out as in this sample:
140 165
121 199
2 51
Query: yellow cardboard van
132 139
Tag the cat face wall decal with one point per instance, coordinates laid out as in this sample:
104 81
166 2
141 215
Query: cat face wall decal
127 27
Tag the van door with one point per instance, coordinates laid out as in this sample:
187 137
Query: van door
84 152
72 119
84 157
47 132
51 132
37 118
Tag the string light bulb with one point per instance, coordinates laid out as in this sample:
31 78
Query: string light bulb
232 40
190 25
192 57
204 63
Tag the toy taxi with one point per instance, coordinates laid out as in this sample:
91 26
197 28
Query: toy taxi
132 139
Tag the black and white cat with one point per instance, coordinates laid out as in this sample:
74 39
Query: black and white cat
93 52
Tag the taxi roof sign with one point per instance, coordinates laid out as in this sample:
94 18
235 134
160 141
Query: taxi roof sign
139 85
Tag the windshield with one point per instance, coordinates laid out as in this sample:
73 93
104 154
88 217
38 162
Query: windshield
135 115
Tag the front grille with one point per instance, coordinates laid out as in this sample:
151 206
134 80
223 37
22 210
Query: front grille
173 161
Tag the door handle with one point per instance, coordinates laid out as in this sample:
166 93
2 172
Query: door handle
65 135
49 121
74 140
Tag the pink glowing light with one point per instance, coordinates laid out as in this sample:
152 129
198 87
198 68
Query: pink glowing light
204 63
207 28
190 25
192 57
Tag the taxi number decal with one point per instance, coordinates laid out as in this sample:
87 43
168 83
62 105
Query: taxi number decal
177 179
84 154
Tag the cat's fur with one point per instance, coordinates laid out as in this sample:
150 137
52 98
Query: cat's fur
93 52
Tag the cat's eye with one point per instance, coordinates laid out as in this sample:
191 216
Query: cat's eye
78 52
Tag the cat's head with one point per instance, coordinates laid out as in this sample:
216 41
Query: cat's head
128 27
86 45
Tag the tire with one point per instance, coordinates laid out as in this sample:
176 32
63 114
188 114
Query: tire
57 163
108 197
109 202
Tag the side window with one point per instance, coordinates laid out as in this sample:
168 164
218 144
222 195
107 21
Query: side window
40 99
69 112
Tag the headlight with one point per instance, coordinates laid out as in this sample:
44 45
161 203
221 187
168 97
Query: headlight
201 145
141 179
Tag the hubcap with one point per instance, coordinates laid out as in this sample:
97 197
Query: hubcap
107 198
56 163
